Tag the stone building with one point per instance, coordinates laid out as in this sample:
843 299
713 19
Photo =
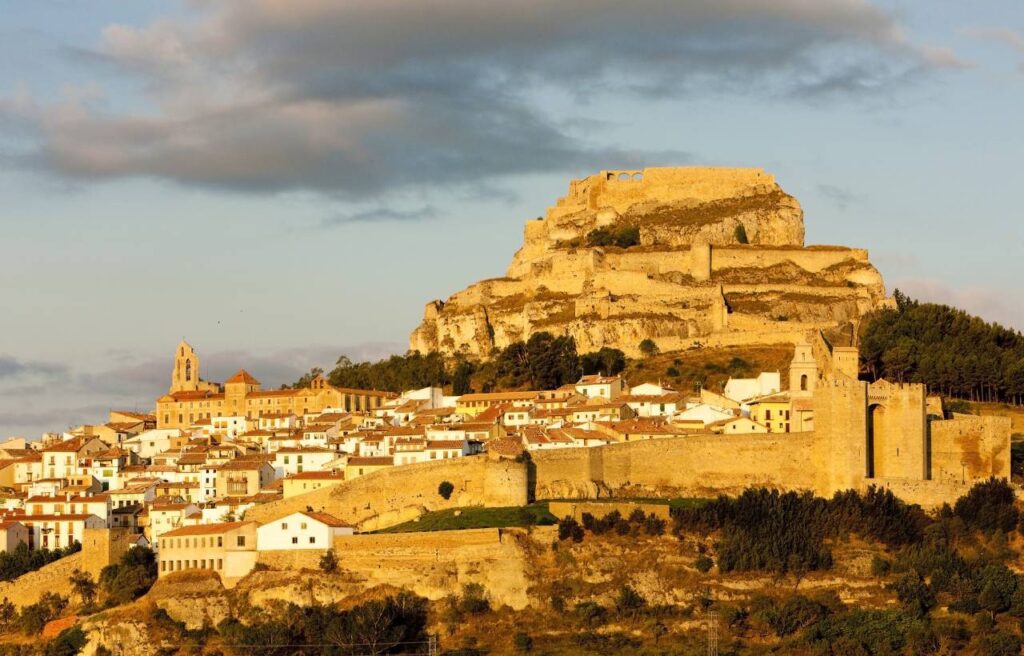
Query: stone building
191 399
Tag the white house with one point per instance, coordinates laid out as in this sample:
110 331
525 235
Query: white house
229 426
704 413
149 443
607 387
289 461
301 530
742 389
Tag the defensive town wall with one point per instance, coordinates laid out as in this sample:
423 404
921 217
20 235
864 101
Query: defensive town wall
397 494
27 588
694 465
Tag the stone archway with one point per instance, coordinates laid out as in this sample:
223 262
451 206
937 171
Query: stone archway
876 442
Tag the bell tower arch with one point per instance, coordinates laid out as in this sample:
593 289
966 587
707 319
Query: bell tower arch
185 375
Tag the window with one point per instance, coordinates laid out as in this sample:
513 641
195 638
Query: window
312 539
295 540
241 540
303 526
284 526
220 541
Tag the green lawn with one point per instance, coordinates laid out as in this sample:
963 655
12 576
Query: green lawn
477 517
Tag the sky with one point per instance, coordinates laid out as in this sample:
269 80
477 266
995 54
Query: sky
285 181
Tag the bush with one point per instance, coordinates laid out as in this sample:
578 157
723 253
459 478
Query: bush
621 236
607 361
24 560
654 525
522 642
68 643
131 577
591 614
445 489
880 566
474 599
988 506
741 234
629 602
569 528
999 643
649 348
703 564
915 595
329 562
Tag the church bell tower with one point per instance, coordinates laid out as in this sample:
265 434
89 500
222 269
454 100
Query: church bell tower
185 376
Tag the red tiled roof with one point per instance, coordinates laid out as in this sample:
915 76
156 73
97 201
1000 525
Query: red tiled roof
243 376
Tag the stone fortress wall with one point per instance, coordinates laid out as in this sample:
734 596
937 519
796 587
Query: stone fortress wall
397 494
689 280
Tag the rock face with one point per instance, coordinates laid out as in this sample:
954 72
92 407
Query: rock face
682 277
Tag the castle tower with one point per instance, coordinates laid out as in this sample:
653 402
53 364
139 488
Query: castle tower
803 372
185 376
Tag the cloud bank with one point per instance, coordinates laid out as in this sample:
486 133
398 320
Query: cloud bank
356 99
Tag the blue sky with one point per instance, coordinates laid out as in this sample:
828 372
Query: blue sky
283 182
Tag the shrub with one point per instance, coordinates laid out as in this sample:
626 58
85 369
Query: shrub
329 562
649 348
999 643
654 525
741 234
474 599
629 602
703 564
915 595
131 577
591 614
622 236
445 489
988 506
523 642
68 643
569 528
83 586
880 566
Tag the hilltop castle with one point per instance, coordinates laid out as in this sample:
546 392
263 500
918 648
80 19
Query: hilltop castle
713 256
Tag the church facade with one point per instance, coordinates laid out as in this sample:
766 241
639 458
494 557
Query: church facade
191 399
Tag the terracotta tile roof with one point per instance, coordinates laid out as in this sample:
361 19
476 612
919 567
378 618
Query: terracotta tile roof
195 396
316 476
497 397
325 518
243 376
205 529
371 461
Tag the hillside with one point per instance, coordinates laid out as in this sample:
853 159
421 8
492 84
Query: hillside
682 256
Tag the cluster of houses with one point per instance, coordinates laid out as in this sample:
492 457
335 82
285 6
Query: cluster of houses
184 491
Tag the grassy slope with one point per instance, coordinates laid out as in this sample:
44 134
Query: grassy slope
711 366
477 517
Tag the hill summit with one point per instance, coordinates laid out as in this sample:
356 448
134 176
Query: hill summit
683 256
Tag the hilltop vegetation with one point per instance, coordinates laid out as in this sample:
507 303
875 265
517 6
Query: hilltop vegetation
947 349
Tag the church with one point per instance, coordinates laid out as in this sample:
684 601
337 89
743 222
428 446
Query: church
191 399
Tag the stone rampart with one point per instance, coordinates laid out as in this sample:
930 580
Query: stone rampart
397 494
967 449
694 465
26 589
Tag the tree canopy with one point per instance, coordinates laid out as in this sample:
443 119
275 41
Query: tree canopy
947 349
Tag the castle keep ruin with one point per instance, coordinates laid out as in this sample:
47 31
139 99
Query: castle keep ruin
719 260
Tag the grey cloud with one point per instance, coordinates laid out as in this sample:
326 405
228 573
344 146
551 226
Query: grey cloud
78 397
842 198
382 214
362 99
11 367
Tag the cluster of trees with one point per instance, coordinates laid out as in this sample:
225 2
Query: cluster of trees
767 530
394 625
32 617
623 236
638 522
950 351
544 361
129 578
24 560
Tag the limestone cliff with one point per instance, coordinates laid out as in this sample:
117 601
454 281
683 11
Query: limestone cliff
682 278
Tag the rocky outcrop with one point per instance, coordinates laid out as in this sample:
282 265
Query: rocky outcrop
680 277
